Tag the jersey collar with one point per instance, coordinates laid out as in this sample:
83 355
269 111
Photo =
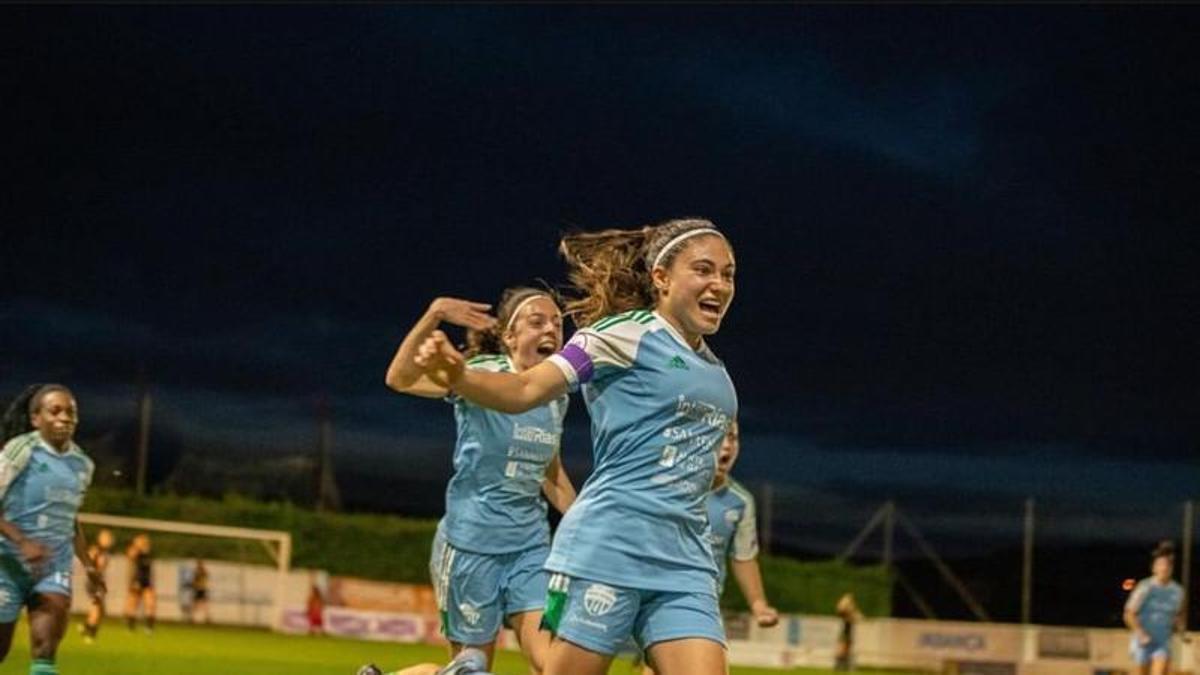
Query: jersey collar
702 349
72 449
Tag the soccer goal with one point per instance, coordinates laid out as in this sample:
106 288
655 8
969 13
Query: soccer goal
245 575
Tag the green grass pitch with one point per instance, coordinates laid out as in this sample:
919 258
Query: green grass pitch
185 650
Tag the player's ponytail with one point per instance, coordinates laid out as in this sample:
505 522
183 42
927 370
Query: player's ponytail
610 269
17 417
491 340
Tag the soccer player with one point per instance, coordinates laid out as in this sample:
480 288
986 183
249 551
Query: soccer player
141 583
200 610
99 553
734 534
848 612
43 477
490 548
1154 612
632 556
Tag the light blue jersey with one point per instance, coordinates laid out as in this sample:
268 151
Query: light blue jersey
1156 606
660 410
42 489
734 533
493 501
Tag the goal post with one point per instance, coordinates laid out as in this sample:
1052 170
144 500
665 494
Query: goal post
276 543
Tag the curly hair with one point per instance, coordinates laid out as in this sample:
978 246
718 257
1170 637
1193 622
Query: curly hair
17 417
491 341
610 269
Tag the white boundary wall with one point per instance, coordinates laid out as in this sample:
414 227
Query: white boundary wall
245 595
931 645
239 594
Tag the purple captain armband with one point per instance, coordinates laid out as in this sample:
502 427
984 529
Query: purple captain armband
579 360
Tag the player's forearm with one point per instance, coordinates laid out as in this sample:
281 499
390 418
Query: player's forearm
403 372
512 393
1131 621
749 580
81 547
560 493
11 532
566 493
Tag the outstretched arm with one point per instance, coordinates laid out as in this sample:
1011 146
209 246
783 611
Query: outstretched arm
403 374
557 486
511 393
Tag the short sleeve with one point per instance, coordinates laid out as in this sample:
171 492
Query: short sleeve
89 471
492 363
745 539
13 460
1138 597
591 350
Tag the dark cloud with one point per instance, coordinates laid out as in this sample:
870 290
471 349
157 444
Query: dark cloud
958 228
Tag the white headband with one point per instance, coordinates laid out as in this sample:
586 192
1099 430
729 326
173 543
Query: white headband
682 237
517 310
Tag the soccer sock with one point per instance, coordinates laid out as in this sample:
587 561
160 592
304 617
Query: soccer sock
43 667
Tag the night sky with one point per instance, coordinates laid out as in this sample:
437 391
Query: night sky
967 236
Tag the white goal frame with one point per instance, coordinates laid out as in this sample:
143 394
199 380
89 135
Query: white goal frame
277 543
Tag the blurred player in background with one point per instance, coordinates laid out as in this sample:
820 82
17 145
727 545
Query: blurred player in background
1154 612
99 553
200 610
43 477
632 558
734 537
490 548
314 607
731 516
141 583
847 611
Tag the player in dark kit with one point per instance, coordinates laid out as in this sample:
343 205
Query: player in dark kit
99 553
141 583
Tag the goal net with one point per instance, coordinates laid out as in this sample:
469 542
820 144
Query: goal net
248 571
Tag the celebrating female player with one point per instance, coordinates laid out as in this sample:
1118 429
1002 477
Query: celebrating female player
632 557
735 533
488 556
1154 613
43 476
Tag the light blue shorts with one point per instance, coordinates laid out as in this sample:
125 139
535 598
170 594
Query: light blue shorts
476 592
1143 654
602 618
18 585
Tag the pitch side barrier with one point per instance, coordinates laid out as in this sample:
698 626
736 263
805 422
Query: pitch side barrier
953 648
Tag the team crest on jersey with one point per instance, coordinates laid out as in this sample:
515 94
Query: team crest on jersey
599 599
678 363
731 516
469 612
